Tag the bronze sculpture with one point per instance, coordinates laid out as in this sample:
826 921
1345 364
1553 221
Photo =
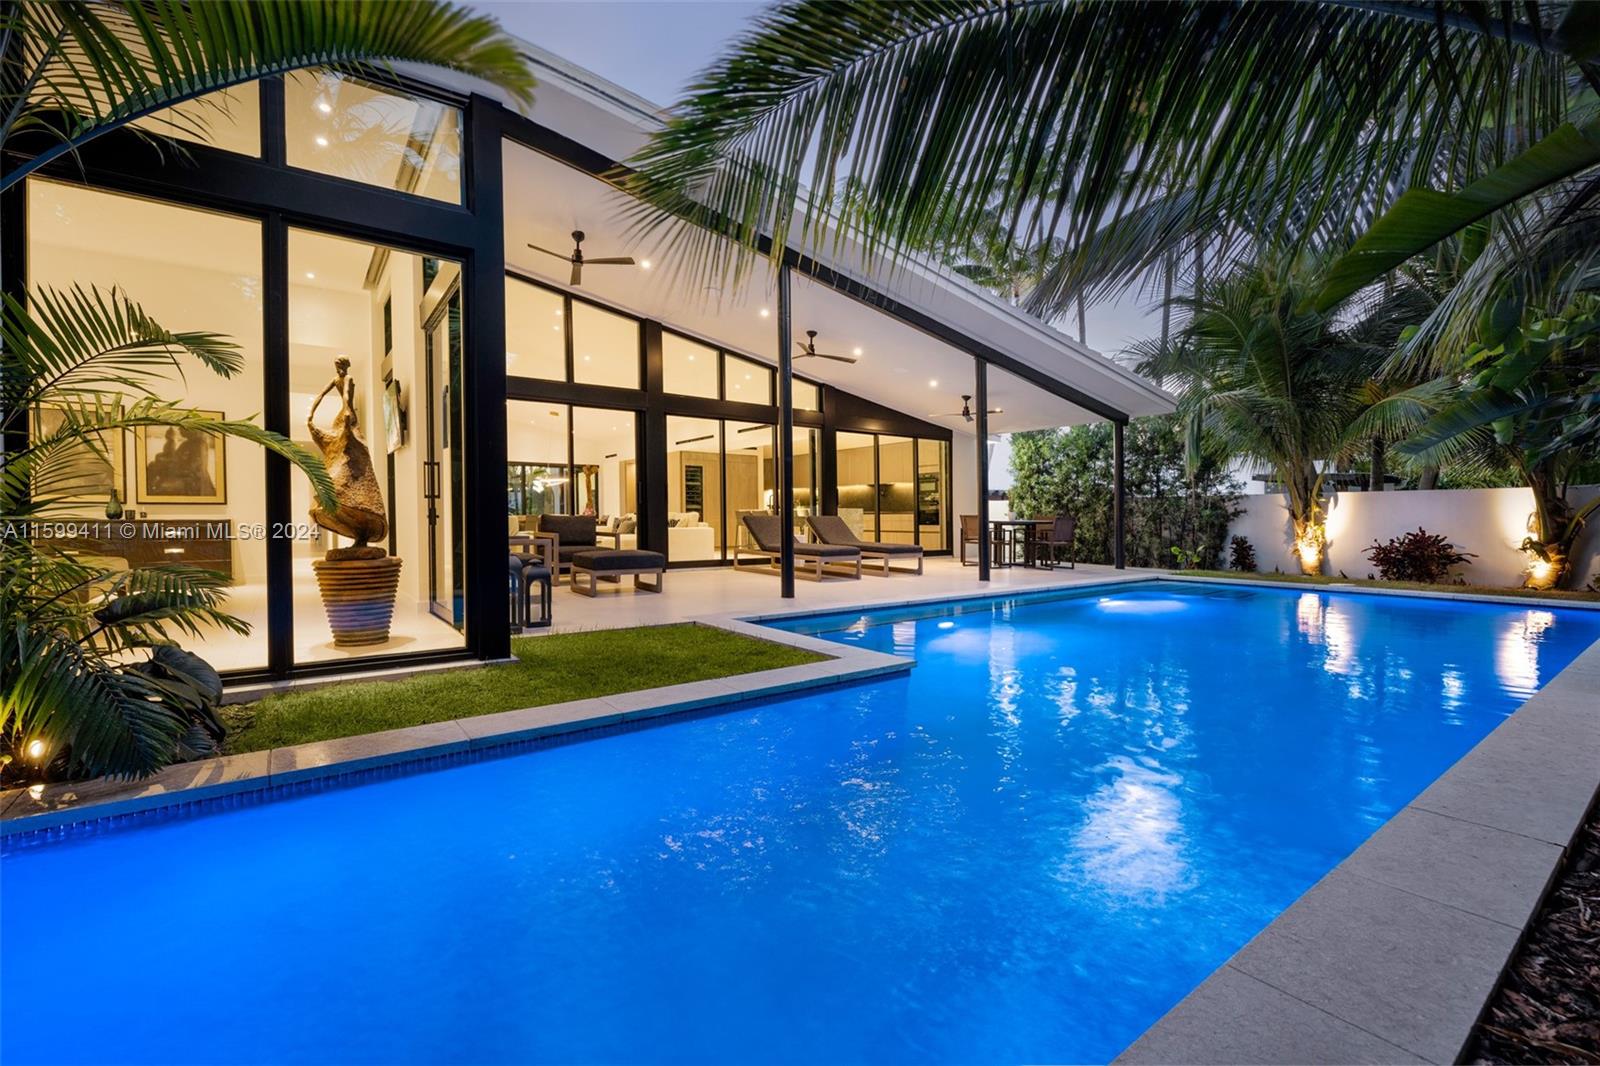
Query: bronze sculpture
358 583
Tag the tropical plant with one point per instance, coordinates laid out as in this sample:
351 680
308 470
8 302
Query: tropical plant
1519 339
1275 381
1241 554
92 683
90 680
1421 556
1069 471
1066 117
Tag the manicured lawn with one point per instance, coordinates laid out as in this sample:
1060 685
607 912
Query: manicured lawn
1487 590
551 669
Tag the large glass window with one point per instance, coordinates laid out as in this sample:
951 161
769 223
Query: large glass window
933 492
184 497
857 481
341 126
605 347
694 489
894 488
747 382
750 476
537 476
896 491
375 375
806 474
604 466
536 337
687 368
807 397
229 119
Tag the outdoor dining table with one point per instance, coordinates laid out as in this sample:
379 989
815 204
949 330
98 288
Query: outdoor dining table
1015 537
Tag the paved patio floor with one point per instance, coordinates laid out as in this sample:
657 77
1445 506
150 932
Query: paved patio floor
721 591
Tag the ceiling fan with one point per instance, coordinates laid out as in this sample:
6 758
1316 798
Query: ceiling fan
808 350
577 258
966 410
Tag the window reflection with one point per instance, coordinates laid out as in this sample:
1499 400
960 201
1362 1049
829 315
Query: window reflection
347 128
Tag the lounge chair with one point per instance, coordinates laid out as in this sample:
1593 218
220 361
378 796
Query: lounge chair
811 560
833 530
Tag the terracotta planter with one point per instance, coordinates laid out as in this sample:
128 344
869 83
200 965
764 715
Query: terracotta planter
358 595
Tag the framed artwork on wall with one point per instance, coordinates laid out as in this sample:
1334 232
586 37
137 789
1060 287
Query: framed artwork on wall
174 465
84 471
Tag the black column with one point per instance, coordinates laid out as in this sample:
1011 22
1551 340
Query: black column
652 462
483 287
981 398
785 437
276 416
1118 503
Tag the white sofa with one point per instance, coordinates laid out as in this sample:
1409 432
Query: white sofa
687 540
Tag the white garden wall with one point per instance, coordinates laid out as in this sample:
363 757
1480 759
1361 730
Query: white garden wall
1488 522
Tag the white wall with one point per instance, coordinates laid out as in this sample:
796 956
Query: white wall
1487 522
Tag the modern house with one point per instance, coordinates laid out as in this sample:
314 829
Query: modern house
422 235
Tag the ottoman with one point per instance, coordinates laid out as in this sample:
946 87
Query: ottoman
613 564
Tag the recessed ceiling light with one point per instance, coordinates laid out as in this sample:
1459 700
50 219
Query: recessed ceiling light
765 312
645 263
311 275
325 107
322 142
933 383
856 352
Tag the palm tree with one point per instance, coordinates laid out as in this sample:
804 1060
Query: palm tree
1271 379
90 679
1520 332
1068 116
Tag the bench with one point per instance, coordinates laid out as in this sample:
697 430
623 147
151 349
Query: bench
613 564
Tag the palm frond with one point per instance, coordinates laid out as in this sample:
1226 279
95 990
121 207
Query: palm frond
1064 117
76 68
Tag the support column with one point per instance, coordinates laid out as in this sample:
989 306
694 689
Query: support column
1118 498
785 437
981 398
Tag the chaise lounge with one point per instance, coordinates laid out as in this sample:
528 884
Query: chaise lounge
813 561
832 530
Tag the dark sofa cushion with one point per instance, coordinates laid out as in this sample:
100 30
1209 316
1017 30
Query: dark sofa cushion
826 551
571 528
619 559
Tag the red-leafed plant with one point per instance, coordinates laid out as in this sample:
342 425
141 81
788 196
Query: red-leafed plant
1421 556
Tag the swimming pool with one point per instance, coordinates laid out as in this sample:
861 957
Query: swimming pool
1027 848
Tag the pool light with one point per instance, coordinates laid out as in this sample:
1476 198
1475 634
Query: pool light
947 625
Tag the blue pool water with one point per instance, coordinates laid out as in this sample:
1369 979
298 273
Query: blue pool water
1069 813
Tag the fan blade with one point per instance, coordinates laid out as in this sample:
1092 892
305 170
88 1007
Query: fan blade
836 358
967 415
559 255
616 260
577 274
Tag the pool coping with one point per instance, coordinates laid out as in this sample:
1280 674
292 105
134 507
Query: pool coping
1392 955
1464 865
58 806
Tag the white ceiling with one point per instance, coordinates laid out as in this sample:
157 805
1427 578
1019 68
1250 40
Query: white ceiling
900 367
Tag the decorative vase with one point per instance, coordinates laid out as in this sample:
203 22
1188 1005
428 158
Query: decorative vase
358 595
114 506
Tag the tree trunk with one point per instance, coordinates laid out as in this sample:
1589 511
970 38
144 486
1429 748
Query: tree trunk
1428 479
1553 530
1375 481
